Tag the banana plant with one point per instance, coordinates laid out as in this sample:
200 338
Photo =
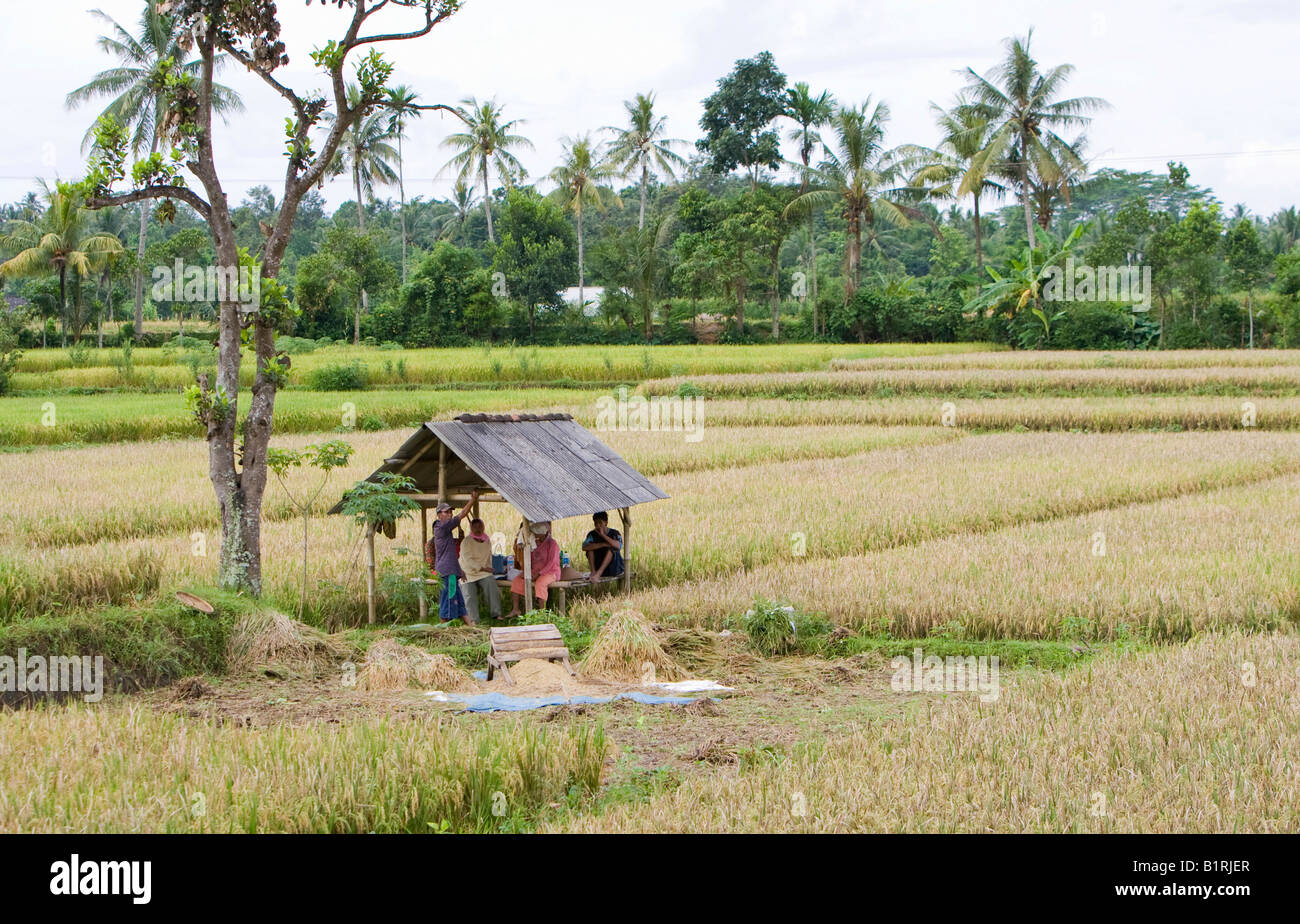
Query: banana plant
1021 284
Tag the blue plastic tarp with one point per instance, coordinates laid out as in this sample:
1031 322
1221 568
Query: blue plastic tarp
499 702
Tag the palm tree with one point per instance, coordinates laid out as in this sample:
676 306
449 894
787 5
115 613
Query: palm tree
460 206
641 146
810 112
366 152
955 169
57 242
1046 193
1284 229
137 88
578 180
485 145
401 105
863 177
1020 102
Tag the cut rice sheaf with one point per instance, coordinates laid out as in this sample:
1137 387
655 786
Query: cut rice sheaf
390 665
626 648
267 636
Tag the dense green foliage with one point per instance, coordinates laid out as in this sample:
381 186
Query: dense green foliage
871 241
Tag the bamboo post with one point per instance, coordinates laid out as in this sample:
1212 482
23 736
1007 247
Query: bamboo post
528 567
625 515
370 571
424 569
442 472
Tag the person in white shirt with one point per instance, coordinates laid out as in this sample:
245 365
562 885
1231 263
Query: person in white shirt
476 562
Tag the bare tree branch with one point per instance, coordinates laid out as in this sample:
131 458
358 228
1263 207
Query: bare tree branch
189 197
429 22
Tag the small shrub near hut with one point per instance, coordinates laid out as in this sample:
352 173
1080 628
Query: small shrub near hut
778 629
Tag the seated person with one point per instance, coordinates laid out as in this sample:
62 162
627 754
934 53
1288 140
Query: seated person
604 548
545 560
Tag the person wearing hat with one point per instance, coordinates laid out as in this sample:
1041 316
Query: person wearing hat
446 560
545 559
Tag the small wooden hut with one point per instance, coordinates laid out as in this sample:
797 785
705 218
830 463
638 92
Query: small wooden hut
547 466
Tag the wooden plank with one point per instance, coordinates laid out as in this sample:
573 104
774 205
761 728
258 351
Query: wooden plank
545 632
506 630
535 641
532 638
415 458
538 654
501 648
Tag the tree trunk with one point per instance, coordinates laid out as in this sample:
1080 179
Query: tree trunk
139 272
979 239
109 300
487 206
1024 201
812 263
361 223
401 191
776 293
139 250
580 254
63 306
855 258
740 307
645 181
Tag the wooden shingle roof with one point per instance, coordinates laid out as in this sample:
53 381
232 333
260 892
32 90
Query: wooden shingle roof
547 466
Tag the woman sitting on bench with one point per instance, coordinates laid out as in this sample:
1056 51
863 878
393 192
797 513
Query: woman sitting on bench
604 548
545 567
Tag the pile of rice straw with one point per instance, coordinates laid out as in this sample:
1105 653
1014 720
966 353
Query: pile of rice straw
390 665
267 636
626 648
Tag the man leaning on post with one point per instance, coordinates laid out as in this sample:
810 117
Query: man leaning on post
445 560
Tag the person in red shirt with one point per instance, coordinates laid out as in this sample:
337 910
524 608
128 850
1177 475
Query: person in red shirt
545 560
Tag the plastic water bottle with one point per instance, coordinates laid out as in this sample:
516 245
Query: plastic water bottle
564 559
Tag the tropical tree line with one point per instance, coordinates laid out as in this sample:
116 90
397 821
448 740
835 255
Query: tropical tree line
643 236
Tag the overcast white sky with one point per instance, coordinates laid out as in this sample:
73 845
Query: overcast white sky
1210 83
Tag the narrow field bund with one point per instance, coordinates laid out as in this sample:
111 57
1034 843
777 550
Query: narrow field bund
1276 380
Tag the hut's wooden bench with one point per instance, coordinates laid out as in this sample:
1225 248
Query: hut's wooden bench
562 588
516 643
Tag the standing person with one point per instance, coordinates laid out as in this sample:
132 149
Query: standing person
545 552
604 548
476 562
441 556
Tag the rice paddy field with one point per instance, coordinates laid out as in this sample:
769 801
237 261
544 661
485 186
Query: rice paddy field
1117 529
